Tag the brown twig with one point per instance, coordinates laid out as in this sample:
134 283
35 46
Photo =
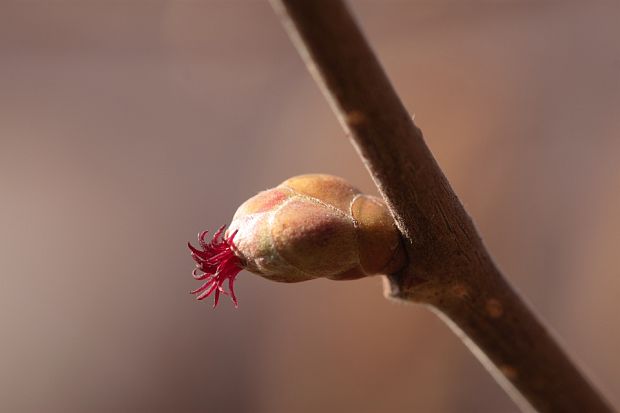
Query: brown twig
449 268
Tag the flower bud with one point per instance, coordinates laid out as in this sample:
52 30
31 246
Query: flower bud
309 226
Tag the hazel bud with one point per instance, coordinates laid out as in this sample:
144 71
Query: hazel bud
309 226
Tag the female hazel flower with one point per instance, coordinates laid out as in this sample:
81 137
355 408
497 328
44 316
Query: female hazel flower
309 226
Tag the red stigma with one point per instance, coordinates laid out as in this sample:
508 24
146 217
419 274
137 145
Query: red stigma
218 263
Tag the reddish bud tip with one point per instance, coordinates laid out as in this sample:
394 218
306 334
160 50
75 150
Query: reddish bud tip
218 263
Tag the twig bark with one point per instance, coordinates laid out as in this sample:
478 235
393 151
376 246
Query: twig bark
449 268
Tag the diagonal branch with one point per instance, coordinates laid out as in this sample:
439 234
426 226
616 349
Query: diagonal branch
449 268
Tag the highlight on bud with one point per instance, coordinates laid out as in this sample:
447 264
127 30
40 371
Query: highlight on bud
309 226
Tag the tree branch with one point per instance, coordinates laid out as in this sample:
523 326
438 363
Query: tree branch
449 268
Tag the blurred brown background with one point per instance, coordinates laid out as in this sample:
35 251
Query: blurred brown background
126 127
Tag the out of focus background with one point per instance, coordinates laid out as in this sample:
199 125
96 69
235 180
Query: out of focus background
127 127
